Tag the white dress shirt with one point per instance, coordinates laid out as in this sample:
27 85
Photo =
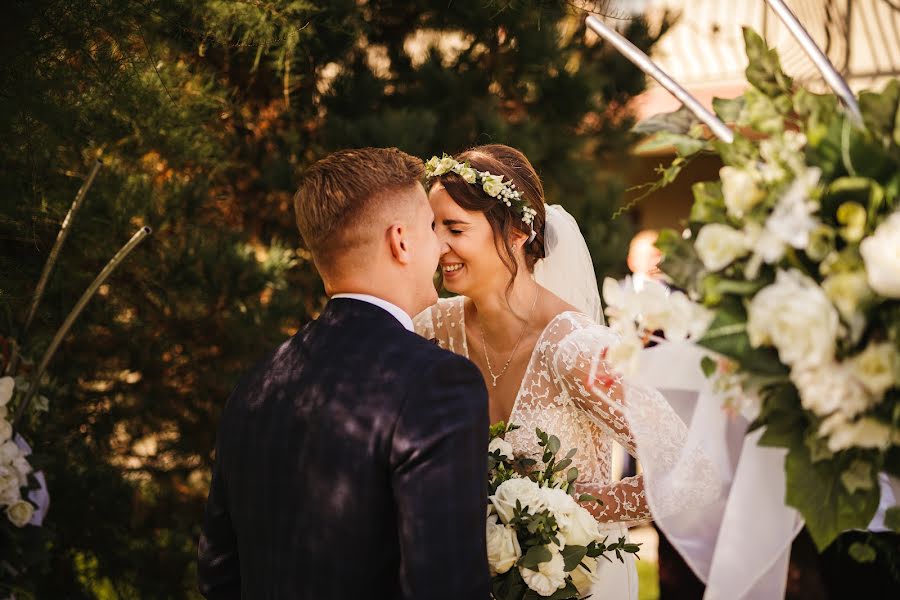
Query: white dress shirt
395 310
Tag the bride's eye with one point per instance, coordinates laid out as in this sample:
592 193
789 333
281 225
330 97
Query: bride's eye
455 231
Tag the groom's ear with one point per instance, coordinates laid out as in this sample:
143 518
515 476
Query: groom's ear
397 235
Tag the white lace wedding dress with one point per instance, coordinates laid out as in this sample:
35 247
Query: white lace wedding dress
556 396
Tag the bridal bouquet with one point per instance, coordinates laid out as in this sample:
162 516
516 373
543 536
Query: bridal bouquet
541 541
790 267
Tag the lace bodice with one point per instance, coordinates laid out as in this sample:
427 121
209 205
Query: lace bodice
555 396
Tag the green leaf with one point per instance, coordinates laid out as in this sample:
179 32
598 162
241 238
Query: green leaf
709 203
572 475
727 335
553 444
679 122
728 109
567 592
764 69
881 112
815 489
892 518
588 498
573 555
708 365
862 553
859 476
680 261
684 145
535 556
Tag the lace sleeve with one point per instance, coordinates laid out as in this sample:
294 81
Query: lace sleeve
677 475
424 323
577 356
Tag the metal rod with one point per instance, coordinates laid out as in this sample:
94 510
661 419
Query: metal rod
819 59
114 262
57 246
643 62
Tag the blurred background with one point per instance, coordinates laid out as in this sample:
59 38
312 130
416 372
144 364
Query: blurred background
204 113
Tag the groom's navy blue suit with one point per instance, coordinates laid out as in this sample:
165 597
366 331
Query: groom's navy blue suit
350 465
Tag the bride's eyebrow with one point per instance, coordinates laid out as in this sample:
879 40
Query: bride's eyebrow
452 222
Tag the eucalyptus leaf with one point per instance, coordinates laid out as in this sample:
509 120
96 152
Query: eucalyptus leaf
764 68
728 109
679 121
535 556
573 555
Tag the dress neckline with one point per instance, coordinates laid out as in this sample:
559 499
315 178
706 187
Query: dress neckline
531 359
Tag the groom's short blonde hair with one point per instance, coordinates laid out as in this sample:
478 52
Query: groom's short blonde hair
341 194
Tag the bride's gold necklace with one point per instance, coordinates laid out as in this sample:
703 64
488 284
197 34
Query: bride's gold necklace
516 347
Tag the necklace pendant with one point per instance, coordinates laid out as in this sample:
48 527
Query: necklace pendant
496 377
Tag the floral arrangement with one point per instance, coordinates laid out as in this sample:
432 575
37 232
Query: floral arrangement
14 466
493 185
790 267
541 541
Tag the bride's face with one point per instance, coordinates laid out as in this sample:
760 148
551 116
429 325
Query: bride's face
470 261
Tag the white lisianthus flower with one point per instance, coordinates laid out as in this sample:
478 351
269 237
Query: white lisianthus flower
881 254
549 577
582 528
524 490
503 548
584 575
20 513
7 385
719 245
502 445
492 185
830 387
877 368
794 315
5 430
864 433
740 190
23 468
792 220
468 174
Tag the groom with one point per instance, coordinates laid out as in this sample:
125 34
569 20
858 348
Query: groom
351 462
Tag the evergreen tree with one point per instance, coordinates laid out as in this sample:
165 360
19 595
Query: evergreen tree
204 113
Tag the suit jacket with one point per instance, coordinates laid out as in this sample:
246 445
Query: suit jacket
350 464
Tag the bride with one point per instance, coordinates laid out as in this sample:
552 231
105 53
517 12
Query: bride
527 313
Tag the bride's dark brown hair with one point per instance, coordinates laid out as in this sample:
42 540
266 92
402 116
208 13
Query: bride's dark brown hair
499 159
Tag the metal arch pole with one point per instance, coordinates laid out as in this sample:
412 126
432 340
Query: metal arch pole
819 59
643 62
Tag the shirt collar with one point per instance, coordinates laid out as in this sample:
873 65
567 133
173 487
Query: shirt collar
395 310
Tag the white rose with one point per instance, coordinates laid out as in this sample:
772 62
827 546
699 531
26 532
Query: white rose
739 190
23 468
881 253
7 384
877 368
549 577
492 185
794 315
719 245
524 490
9 485
5 430
503 548
20 513
468 174
502 445
582 528
584 575
9 451
830 387
864 433
443 166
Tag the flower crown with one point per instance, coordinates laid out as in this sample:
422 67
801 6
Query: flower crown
493 185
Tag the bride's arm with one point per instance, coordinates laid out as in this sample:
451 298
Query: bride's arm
600 395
